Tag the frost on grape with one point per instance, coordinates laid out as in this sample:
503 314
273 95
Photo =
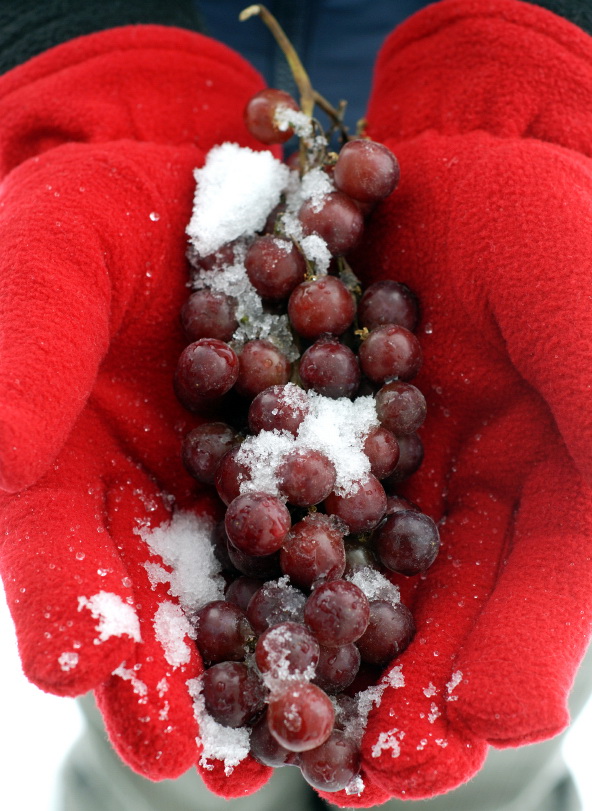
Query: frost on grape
237 188
254 322
216 741
375 585
262 454
185 545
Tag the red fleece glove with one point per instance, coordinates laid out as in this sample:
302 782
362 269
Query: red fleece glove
487 106
98 145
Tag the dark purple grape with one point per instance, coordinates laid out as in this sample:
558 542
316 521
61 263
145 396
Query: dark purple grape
241 590
330 368
390 351
382 449
222 632
278 408
358 556
337 220
407 542
224 256
337 668
274 266
261 365
305 477
230 474
333 764
204 447
261 567
266 749
363 509
207 314
233 693
301 717
206 369
260 116
321 305
366 170
388 302
257 523
287 651
389 632
400 407
274 603
337 613
410 459
395 504
313 551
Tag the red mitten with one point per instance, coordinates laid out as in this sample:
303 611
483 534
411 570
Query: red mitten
98 145
487 106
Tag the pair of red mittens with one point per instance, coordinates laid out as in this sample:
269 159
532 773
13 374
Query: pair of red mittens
485 107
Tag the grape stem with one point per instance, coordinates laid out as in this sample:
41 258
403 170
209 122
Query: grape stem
307 94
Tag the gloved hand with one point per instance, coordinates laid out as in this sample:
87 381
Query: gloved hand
98 145
487 107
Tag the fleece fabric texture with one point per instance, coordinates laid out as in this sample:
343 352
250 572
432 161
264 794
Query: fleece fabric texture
486 105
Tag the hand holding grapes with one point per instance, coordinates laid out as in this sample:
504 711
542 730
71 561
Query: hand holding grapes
491 232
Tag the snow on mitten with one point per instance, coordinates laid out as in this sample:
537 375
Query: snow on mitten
99 141
487 107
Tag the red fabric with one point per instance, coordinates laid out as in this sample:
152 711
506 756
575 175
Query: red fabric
486 106
98 146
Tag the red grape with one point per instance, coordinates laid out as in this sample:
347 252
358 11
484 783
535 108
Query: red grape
274 603
407 542
230 474
261 365
233 693
337 220
260 115
366 170
400 407
330 368
321 305
222 632
301 717
305 477
207 314
388 302
280 408
333 764
382 449
287 651
337 613
257 523
204 447
390 351
337 668
274 267
206 369
313 551
362 509
389 632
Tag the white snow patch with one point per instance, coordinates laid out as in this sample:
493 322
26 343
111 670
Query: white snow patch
237 188
434 712
389 740
115 617
171 627
430 690
185 545
138 685
455 680
219 743
68 660
375 585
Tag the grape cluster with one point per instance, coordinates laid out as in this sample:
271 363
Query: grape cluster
308 605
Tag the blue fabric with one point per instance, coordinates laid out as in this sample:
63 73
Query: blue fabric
337 41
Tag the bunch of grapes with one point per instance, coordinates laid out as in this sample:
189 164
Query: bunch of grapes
309 607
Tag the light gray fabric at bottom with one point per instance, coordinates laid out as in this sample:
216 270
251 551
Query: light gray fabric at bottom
530 778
